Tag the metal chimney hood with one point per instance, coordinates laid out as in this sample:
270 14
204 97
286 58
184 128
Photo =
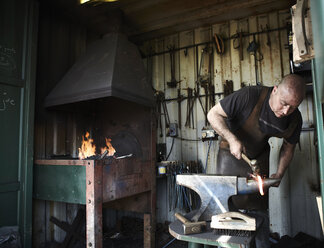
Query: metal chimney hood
111 66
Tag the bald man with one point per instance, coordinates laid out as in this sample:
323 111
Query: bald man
246 120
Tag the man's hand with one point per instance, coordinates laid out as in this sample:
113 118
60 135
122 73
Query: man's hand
236 148
276 176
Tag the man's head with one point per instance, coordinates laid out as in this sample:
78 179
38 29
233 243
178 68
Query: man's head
287 96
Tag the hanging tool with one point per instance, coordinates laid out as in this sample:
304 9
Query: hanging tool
253 48
238 38
241 46
190 103
191 227
203 81
219 44
180 98
173 83
205 85
160 97
268 36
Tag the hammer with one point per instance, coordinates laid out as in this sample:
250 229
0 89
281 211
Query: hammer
190 227
252 163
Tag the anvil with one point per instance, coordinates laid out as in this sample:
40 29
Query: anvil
214 191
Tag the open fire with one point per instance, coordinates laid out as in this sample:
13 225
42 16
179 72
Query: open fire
88 149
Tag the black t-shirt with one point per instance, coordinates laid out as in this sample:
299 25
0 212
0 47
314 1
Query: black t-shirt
239 105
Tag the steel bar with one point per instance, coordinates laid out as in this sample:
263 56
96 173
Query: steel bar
210 42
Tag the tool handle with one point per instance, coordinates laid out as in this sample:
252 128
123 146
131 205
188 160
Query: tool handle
246 159
181 218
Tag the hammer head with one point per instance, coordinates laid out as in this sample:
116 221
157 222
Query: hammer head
194 227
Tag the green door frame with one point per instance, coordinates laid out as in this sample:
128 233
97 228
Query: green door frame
317 9
27 126
18 46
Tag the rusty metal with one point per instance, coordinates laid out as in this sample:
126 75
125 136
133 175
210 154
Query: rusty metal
94 203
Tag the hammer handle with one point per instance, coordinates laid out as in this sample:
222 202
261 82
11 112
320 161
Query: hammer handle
246 159
181 218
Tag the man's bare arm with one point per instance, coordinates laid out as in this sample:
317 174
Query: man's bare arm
216 117
285 156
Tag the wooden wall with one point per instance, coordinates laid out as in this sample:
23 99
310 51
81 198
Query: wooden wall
295 199
60 42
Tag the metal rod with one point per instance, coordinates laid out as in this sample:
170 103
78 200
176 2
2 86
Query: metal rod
186 97
210 42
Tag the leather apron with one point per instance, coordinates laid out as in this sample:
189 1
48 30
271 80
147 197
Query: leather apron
256 147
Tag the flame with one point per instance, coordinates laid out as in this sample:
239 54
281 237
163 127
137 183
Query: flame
109 147
260 183
87 149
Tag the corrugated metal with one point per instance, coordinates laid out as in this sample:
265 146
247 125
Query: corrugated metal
294 198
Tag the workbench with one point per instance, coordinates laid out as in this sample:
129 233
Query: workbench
122 183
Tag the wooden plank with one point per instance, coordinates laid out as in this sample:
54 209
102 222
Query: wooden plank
226 58
94 204
187 75
39 229
49 227
214 13
253 25
158 84
172 106
265 51
118 184
152 176
59 212
218 80
201 35
246 62
148 231
275 51
235 56
283 17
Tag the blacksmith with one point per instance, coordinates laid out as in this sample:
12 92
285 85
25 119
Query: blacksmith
245 120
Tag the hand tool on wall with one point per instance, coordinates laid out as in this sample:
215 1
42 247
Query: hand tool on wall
253 163
180 98
253 48
161 103
205 85
190 104
219 44
191 227
214 191
173 83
